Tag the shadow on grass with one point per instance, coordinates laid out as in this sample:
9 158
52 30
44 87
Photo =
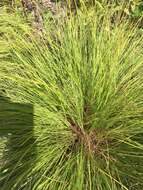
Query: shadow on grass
19 155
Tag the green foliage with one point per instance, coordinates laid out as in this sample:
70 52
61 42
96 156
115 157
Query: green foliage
133 8
84 79
138 10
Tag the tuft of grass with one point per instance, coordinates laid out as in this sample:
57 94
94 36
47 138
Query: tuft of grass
83 79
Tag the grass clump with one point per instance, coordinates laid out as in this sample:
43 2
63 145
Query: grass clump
84 81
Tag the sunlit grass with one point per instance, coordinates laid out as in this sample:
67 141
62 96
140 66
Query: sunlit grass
84 80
